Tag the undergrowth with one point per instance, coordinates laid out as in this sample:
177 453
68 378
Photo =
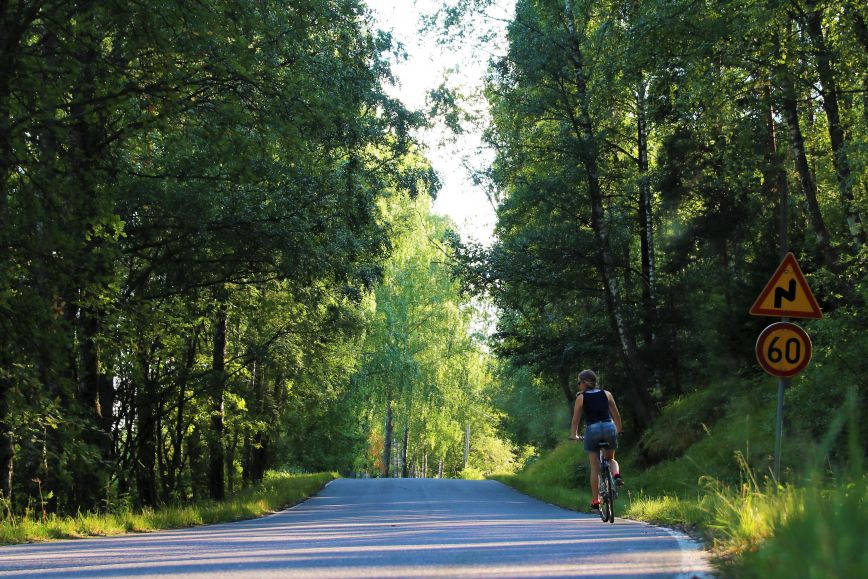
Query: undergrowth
719 488
277 491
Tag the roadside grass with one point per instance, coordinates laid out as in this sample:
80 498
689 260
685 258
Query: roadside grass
277 491
812 526
824 538
754 529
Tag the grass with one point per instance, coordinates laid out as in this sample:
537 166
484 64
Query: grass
277 491
824 537
754 529
813 526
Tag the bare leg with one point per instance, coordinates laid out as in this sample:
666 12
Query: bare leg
613 464
594 461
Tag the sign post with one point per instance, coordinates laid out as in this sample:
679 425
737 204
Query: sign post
784 349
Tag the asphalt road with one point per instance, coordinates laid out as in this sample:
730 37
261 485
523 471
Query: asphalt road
382 528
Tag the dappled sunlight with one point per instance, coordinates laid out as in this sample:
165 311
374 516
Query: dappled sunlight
353 530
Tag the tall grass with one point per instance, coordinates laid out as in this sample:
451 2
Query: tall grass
754 529
277 491
755 526
823 538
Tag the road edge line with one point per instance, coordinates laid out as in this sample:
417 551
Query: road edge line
690 549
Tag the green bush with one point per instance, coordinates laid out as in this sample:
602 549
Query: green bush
277 491
471 473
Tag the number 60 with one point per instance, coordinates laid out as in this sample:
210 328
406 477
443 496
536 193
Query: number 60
792 351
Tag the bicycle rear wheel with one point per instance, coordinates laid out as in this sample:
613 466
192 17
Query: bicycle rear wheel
610 498
604 498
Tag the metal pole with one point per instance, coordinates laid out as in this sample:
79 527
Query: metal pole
779 426
782 382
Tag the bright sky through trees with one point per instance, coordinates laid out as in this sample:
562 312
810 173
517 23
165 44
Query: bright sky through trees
425 68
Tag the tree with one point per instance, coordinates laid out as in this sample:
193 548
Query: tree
163 163
424 378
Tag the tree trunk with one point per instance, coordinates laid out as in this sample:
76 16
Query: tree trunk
162 462
91 478
260 456
466 444
259 453
5 155
790 111
196 453
646 227
775 185
640 402
7 446
87 156
11 33
145 454
180 426
216 444
564 381
860 30
404 466
829 92
387 444
230 462
246 461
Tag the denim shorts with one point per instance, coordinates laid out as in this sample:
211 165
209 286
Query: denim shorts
600 432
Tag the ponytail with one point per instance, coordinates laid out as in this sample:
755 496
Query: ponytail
589 377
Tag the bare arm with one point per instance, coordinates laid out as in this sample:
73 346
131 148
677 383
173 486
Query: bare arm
613 410
577 417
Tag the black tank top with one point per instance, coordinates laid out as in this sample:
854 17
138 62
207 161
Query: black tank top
595 406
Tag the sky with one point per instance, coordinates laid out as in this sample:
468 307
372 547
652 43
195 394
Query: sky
425 68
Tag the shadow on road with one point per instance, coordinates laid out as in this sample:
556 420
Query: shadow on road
380 528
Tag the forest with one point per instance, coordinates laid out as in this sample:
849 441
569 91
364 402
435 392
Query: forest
653 163
218 256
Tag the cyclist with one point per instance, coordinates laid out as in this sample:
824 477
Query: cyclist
602 424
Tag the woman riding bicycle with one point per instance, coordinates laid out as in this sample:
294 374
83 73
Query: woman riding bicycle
602 424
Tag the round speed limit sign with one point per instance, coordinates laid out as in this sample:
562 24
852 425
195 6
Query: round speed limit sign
783 349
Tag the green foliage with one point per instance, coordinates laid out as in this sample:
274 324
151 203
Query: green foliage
838 368
190 219
471 473
532 413
646 156
700 121
424 377
560 467
277 491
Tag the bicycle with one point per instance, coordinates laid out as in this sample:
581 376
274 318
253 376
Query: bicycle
608 490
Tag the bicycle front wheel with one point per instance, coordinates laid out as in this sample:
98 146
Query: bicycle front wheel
610 498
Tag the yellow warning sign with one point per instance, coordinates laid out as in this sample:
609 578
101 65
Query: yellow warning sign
787 294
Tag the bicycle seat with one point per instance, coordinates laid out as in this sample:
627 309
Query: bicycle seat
603 444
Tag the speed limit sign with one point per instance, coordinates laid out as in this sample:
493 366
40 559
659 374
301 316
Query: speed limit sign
783 349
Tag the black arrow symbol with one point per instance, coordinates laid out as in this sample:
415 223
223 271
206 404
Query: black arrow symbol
789 294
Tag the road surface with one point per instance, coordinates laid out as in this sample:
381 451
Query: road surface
382 528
